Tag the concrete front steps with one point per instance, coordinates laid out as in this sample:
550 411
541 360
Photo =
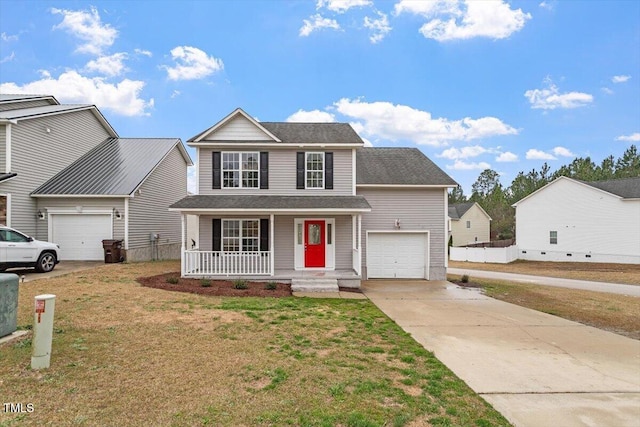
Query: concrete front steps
314 285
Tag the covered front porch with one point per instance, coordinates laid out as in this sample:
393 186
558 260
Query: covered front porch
284 238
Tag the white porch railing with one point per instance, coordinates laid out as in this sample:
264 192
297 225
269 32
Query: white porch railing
209 263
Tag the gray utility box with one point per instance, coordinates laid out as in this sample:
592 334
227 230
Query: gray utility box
8 303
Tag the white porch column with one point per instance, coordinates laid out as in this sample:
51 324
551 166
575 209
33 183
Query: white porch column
272 257
183 220
359 244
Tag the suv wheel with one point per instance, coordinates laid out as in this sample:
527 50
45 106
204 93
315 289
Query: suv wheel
46 262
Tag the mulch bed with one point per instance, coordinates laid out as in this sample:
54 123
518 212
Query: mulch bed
215 288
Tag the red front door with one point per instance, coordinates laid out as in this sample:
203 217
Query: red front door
314 243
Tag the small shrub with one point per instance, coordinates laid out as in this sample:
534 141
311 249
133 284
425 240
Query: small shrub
464 278
240 284
205 283
173 280
271 286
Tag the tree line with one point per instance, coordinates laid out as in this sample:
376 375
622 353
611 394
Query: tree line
496 199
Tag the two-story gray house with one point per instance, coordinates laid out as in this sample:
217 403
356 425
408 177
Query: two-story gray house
67 177
307 201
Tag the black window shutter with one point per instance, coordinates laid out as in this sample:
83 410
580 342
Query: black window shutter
300 170
217 234
264 170
216 170
328 171
264 234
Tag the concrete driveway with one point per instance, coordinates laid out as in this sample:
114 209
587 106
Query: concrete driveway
65 267
536 369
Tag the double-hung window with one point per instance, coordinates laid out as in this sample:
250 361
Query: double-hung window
240 235
314 171
240 170
553 237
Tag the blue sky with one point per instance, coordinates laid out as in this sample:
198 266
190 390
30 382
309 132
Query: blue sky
474 85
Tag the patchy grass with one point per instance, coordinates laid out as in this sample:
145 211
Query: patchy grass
611 312
614 273
124 354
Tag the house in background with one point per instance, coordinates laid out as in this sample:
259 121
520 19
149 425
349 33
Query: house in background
70 179
306 202
469 223
571 220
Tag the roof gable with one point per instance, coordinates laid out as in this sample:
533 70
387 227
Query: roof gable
459 210
237 126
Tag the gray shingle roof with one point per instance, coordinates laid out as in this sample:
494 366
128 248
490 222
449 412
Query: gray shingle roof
458 210
272 203
398 166
115 167
627 188
313 133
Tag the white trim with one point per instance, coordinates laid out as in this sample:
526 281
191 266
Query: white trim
353 171
447 228
74 211
272 247
197 166
240 237
183 220
230 117
7 136
240 153
126 223
212 211
330 249
405 186
271 145
427 247
82 196
306 155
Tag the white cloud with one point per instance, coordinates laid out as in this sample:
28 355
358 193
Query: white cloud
342 6
620 79
607 91
314 116
175 94
88 27
192 64
534 154
563 152
8 58
384 120
457 19
317 22
463 153
143 52
379 27
550 98
507 156
634 137
70 87
8 38
112 65
460 165
547 5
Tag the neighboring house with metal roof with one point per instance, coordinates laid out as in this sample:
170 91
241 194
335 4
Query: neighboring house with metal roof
572 220
307 202
68 178
469 223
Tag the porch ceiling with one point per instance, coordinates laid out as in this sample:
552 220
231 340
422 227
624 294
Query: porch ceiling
272 204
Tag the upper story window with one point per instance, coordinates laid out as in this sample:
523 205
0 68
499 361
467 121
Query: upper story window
553 237
468 224
314 172
240 170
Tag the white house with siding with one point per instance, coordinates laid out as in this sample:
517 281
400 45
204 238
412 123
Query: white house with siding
70 179
571 220
307 202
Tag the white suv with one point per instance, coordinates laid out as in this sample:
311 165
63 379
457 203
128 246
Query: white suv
19 250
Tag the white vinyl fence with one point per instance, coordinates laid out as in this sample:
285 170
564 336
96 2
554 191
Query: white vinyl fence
492 255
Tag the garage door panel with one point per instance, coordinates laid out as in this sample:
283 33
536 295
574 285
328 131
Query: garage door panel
80 236
396 255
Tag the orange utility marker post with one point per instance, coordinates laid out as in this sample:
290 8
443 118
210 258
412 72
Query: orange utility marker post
42 331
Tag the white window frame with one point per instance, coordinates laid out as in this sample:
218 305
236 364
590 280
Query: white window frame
306 171
551 238
240 170
241 222
298 245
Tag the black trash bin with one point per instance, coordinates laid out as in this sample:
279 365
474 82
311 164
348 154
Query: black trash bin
112 251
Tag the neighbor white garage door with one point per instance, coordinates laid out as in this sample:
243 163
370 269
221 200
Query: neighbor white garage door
397 255
80 236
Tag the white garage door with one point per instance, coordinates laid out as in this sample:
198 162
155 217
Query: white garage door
397 256
80 236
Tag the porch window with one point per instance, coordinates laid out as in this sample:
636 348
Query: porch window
240 170
315 170
241 235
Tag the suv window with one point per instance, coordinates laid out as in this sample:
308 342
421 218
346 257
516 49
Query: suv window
12 236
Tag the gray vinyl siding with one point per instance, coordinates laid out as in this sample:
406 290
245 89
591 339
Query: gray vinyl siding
284 238
282 173
37 155
148 209
239 129
417 210
3 148
87 205
24 104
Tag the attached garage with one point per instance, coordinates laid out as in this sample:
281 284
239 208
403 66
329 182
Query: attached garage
397 255
80 235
